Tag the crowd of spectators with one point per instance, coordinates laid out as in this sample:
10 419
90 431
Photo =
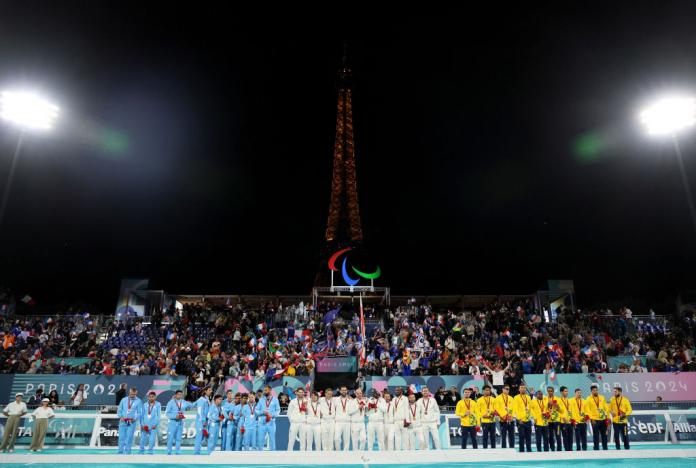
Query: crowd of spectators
207 344
504 342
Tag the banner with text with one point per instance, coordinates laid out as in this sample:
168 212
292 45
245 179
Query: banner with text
637 387
338 364
99 390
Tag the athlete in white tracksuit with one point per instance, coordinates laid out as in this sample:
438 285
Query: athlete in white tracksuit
430 419
388 421
414 439
400 415
328 420
313 429
297 414
344 410
357 421
376 408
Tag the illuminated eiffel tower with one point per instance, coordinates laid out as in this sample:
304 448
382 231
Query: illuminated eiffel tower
343 227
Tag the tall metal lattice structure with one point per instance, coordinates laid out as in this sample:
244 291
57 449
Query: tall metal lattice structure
344 225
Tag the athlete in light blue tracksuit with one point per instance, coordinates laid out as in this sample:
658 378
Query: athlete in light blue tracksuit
175 414
216 416
249 426
229 427
129 415
202 408
149 422
267 409
238 417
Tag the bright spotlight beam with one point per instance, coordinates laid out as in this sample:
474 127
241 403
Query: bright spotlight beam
27 110
668 115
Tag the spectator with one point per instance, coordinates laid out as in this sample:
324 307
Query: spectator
637 367
78 397
35 400
53 398
121 393
440 396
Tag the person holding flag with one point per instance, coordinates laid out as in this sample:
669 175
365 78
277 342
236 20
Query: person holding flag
149 422
504 408
578 420
248 426
268 409
598 410
620 409
297 415
202 408
328 416
129 414
429 415
216 417
486 407
523 415
469 418
175 413
541 421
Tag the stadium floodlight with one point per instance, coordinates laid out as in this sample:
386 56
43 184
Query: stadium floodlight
669 115
30 112
27 110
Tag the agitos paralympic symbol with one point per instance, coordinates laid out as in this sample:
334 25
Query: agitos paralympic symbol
344 270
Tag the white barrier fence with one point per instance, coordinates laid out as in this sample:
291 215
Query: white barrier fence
90 430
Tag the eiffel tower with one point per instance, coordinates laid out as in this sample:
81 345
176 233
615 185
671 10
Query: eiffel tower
343 227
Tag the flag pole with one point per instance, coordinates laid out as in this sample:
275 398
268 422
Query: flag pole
362 332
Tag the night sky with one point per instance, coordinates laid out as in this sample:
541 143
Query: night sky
495 149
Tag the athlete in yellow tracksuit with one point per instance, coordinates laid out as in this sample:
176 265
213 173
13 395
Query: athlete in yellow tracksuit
578 419
620 409
523 414
556 412
505 408
467 411
486 407
596 406
541 423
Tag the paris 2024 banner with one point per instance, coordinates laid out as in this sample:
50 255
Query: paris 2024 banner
637 387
